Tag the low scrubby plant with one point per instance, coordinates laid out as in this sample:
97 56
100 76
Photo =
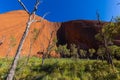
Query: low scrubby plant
62 69
63 50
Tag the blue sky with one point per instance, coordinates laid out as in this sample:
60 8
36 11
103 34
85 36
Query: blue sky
65 10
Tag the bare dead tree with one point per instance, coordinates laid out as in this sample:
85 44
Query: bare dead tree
31 19
35 36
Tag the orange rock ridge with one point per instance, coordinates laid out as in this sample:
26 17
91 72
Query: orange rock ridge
14 23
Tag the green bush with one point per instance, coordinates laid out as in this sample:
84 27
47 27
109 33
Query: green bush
91 52
62 69
63 50
115 51
73 51
82 53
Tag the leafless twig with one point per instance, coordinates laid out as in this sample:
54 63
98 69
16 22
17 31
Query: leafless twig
24 7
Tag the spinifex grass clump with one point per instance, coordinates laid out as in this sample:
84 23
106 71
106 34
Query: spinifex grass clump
62 69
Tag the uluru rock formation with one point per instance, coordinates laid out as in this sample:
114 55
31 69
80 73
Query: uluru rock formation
79 32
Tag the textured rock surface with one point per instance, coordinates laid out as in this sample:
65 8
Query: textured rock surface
79 32
13 24
82 33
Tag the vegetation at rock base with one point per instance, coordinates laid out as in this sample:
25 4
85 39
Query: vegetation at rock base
106 36
62 69
73 64
63 51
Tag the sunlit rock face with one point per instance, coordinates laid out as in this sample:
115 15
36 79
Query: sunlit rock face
13 24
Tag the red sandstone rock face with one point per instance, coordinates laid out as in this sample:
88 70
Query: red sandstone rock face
79 32
82 33
14 23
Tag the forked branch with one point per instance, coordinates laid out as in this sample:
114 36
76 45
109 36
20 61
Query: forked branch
24 7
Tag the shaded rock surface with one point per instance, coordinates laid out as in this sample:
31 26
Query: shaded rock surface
79 32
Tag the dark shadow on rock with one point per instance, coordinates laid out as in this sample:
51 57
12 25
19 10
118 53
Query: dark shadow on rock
79 32
61 35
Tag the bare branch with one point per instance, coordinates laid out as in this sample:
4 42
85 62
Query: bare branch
111 19
98 17
43 17
24 7
36 6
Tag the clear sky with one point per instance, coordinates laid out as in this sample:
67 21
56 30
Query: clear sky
65 10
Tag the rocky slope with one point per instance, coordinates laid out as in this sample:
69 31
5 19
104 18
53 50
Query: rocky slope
79 32
12 25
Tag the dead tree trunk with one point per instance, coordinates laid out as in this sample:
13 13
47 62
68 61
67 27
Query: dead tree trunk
11 72
16 58
30 51
34 39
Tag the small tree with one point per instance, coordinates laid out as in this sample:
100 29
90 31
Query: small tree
73 51
91 52
82 53
62 49
105 35
115 51
101 53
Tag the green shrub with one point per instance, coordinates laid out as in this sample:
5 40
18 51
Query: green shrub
82 53
62 69
91 52
73 51
63 50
